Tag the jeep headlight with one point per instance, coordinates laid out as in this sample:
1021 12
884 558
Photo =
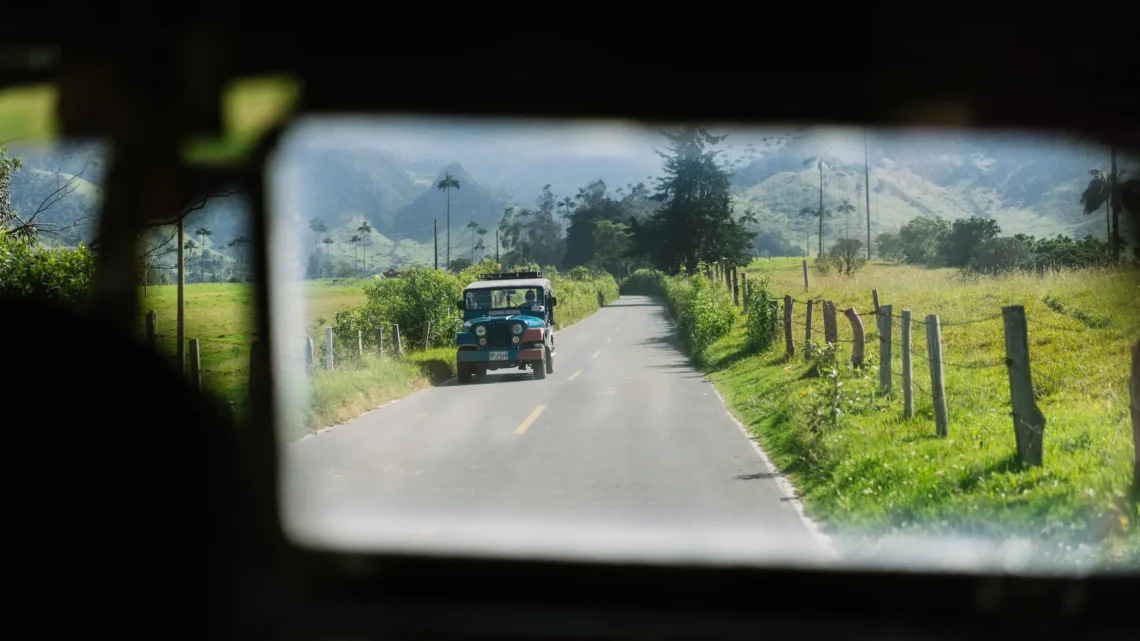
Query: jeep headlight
517 329
480 330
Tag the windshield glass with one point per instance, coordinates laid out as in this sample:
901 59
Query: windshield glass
787 345
505 298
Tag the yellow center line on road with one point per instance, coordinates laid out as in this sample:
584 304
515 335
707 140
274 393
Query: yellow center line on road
530 419
596 354
574 375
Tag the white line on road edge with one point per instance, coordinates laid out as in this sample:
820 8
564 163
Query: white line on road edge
574 375
786 487
596 354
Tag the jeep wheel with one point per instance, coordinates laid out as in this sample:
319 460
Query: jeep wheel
549 362
463 372
540 367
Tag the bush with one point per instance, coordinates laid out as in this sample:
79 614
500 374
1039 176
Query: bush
28 270
645 282
1002 254
762 315
703 311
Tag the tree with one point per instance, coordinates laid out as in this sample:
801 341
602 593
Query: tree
846 256
1000 254
611 243
695 222
446 185
31 225
474 227
813 212
566 205
921 239
354 240
202 233
481 245
845 207
365 231
966 235
821 212
889 246
318 227
1116 193
748 218
328 243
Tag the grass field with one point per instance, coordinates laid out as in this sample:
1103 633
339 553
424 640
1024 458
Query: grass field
877 472
219 315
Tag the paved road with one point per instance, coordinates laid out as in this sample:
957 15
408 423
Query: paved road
625 435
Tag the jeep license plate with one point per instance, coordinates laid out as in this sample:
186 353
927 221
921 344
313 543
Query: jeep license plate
498 356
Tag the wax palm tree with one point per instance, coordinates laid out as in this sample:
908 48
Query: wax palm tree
1116 193
354 240
845 207
365 231
446 185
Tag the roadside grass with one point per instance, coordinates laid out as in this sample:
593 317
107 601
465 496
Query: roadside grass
878 473
343 394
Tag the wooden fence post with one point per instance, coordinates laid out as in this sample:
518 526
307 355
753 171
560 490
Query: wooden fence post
308 355
807 331
830 328
885 349
805 277
937 384
380 343
195 365
744 287
789 343
776 324
360 344
875 298
859 348
152 329
1134 392
1028 421
907 381
427 335
735 288
329 361
397 346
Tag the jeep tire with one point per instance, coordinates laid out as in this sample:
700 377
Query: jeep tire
539 367
463 372
549 362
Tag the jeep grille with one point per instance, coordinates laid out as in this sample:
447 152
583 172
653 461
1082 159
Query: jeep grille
498 335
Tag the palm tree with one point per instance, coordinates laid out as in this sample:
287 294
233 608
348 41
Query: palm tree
822 213
474 227
328 242
202 233
811 212
189 246
845 207
1116 193
365 231
446 185
749 218
318 227
239 244
481 244
567 207
354 240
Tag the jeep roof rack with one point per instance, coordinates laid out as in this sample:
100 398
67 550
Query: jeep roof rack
510 275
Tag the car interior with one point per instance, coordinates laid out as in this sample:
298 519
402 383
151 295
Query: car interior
177 502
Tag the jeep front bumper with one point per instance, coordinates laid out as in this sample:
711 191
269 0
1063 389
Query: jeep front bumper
484 355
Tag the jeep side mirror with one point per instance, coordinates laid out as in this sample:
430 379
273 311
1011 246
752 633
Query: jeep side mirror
553 301
460 305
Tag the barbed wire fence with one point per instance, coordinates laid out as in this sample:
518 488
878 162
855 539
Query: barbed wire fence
899 363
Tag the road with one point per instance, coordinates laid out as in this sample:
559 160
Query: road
625 436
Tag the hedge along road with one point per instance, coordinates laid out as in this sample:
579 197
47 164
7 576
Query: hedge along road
625 444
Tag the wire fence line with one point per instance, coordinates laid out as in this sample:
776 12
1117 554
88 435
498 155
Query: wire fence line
895 340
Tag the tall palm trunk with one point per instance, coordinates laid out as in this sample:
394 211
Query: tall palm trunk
820 212
448 229
1117 204
867 189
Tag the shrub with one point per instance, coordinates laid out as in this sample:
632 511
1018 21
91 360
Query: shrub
645 282
28 270
703 312
762 314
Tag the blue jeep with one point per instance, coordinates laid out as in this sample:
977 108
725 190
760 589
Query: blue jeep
508 321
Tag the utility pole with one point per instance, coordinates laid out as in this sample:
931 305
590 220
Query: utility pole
180 330
497 245
867 188
435 235
820 207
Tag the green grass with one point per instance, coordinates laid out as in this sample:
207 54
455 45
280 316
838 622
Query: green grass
219 315
879 472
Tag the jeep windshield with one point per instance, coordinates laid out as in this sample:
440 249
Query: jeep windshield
505 298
